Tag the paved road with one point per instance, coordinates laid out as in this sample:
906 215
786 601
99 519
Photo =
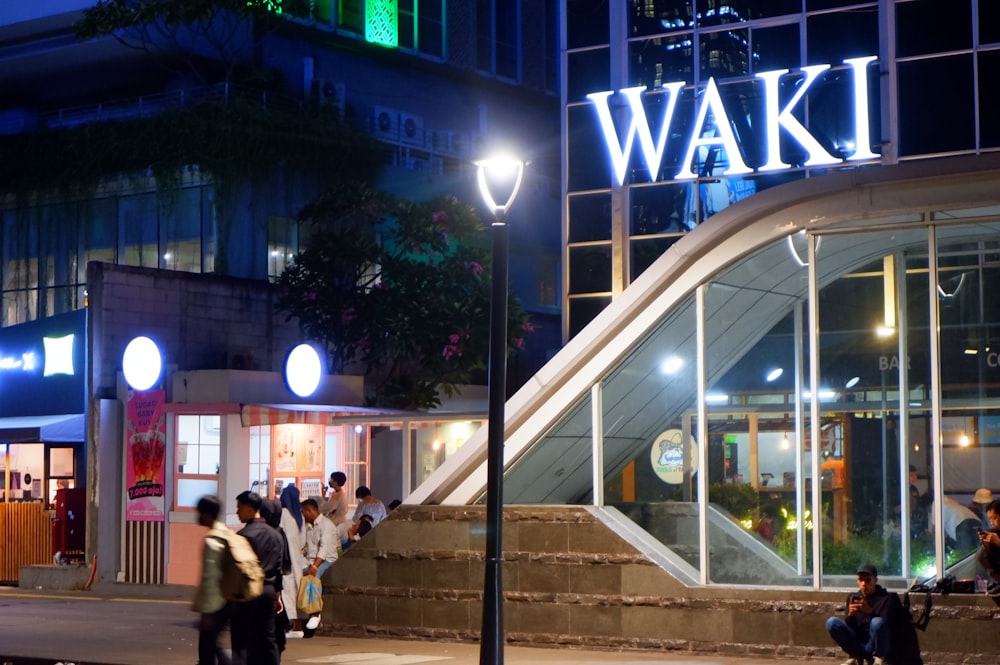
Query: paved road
125 625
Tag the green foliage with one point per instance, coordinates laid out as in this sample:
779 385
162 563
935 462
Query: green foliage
739 499
231 30
399 287
232 141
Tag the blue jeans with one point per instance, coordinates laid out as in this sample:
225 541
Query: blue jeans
877 644
323 567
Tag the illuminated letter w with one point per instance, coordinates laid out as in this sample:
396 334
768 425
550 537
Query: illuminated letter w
652 153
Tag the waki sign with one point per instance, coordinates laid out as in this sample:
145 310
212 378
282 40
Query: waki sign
716 132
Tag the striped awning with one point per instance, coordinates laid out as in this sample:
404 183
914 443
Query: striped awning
309 414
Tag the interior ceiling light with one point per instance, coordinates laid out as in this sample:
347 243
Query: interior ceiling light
774 374
853 381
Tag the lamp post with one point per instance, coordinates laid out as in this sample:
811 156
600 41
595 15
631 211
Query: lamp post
499 172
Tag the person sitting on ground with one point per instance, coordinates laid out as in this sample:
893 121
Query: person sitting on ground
989 549
368 505
877 629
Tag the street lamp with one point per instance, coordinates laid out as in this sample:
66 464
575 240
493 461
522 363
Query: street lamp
503 174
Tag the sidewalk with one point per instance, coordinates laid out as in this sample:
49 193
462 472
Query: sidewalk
141 625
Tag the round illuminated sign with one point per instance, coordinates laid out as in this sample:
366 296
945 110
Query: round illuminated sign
672 454
303 370
142 363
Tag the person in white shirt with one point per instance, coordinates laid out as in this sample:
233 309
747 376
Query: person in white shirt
292 523
321 542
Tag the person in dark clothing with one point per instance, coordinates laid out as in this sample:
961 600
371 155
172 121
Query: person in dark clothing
877 629
270 511
989 549
252 622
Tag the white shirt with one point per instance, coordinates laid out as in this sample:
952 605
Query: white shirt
321 539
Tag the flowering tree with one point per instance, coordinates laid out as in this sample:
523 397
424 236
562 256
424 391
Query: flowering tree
398 290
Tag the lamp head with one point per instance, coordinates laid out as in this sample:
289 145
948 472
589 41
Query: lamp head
499 175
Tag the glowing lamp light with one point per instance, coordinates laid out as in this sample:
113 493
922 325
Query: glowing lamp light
853 381
774 374
142 363
885 331
303 370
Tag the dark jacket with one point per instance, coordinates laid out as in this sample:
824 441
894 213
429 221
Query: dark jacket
886 604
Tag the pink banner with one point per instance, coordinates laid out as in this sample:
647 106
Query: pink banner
146 448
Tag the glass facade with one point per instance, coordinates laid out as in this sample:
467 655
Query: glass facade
787 406
923 51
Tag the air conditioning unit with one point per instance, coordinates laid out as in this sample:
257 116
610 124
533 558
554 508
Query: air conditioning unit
411 129
330 92
385 123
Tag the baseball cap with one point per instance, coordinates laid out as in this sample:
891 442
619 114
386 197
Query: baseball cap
867 569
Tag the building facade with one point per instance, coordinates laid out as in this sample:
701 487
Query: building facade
777 246
183 252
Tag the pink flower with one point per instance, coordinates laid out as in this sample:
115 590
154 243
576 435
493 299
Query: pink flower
518 342
476 268
439 216
454 338
527 326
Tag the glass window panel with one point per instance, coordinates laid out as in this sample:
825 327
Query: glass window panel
559 470
100 232
753 473
190 490
724 53
776 48
182 231
644 252
587 72
989 97
659 16
813 5
933 26
590 217
833 37
653 62
138 218
430 28
650 454
590 269
506 38
589 166
586 23
855 308
989 22
583 310
727 11
658 209
931 128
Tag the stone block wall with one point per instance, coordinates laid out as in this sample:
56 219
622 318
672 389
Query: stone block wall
571 581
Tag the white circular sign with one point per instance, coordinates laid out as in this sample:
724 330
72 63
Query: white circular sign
303 370
142 363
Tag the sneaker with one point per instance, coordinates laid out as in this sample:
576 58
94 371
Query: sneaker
878 660
294 634
993 588
851 661
313 622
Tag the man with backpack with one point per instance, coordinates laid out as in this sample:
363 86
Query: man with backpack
208 598
253 634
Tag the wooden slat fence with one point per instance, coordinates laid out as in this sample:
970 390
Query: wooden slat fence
25 538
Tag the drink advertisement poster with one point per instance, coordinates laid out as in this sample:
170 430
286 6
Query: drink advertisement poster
145 451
